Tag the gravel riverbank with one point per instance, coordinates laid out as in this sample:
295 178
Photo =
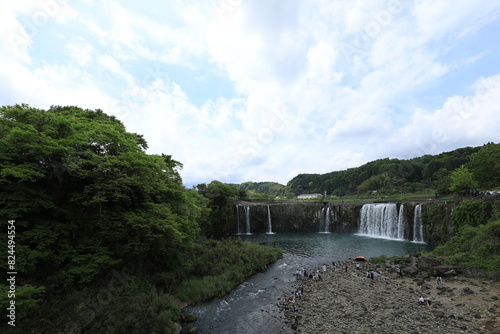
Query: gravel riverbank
351 302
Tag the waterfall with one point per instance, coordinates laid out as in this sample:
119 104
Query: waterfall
269 223
327 220
402 222
418 229
380 220
238 219
247 218
324 220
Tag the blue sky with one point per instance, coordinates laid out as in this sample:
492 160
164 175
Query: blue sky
264 90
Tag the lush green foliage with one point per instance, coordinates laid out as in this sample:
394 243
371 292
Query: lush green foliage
217 267
436 226
462 181
470 213
221 199
85 195
485 165
86 200
474 246
386 176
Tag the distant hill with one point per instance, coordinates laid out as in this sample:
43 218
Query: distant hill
386 175
382 176
253 189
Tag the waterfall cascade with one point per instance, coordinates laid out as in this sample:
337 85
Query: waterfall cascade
382 220
238 219
418 229
247 218
402 223
324 220
269 222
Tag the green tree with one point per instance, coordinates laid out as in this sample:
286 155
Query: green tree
221 202
462 181
86 196
485 165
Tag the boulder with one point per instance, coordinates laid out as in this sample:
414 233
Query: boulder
425 287
446 270
427 262
443 289
410 270
466 291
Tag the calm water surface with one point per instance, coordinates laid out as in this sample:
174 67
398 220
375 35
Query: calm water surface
252 306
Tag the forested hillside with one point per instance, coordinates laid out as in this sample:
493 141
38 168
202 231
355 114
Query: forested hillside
388 176
89 214
255 189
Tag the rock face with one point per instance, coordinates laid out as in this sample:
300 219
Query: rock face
354 303
302 217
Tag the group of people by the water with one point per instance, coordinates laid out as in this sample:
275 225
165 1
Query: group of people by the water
295 296
315 274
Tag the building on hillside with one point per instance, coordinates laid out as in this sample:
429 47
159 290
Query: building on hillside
309 196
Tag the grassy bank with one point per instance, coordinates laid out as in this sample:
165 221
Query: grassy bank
217 269
131 301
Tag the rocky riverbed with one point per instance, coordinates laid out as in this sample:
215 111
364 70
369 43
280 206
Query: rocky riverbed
351 302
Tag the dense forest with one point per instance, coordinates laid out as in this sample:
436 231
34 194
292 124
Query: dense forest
102 235
460 171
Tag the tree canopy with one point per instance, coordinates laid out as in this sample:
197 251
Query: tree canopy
86 196
463 181
485 165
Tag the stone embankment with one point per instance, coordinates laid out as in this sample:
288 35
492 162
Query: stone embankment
351 302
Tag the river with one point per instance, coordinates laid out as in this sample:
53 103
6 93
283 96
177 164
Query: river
253 306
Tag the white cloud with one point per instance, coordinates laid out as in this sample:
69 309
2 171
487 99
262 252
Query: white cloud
319 86
80 52
470 120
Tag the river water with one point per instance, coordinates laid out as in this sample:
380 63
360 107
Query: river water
253 306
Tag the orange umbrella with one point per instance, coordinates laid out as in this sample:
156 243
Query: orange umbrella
360 258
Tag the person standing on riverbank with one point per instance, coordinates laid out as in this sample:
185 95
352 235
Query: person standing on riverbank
346 266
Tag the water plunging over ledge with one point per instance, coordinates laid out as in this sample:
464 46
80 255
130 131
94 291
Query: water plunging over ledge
384 220
324 220
269 221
